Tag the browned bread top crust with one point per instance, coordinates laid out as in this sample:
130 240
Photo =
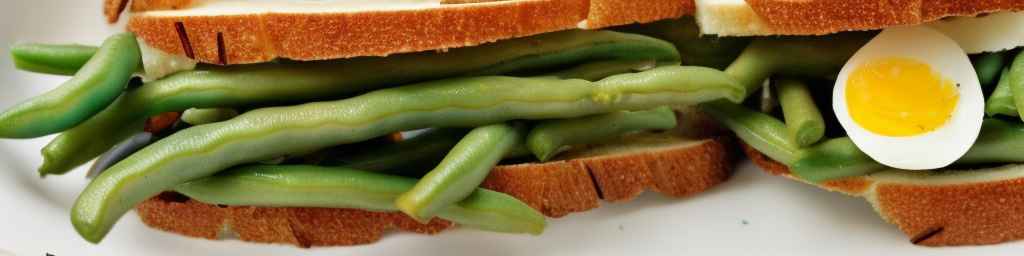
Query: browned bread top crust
261 37
817 17
973 212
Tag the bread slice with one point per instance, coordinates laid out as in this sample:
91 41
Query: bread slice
237 32
668 163
936 208
555 188
818 17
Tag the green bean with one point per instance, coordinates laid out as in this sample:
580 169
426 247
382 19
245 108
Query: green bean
99 82
1000 102
988 66
1016 82
818 57
696 48
461 171
339 187
804 121
833 159
263 84
199 116
55 59
407 158
759 130
593 71
261 134
999 142
548 138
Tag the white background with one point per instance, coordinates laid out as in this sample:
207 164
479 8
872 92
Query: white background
752 214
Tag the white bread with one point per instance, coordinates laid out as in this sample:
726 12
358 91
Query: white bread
257 32
818 17
936 208
227 36
616 172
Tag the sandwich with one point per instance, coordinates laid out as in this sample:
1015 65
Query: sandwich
315 123
327 123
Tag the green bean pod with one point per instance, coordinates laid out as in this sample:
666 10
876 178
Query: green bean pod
461 171
804 121
833 159
411 157
200 116
759 130
272 83
261 134
818 57
1000 102
697 48
999 142
339 187
988 65
1016 81
54 59
548 138
94 87
593 71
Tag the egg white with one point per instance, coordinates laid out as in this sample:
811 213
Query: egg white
990 33
935 149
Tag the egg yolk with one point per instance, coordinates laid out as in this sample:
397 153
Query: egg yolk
899 97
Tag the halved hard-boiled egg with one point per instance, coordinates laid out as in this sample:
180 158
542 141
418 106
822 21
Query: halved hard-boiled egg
910 99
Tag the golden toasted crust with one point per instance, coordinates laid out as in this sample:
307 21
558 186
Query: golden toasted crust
253 38
816 17
607 13
235 39
971 213
554 188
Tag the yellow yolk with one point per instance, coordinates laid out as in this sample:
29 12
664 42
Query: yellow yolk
899 97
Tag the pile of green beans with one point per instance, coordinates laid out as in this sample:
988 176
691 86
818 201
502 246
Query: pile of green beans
548 138
102 78
340 187
52 58
461 171
266 133
287 82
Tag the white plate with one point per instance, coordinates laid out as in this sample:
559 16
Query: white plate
752 214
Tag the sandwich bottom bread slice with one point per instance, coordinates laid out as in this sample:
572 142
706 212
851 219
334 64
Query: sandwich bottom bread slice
953 207
675 163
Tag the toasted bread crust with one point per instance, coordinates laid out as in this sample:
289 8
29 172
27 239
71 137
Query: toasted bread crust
934 215
236 39
818 17
554 188
607 13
